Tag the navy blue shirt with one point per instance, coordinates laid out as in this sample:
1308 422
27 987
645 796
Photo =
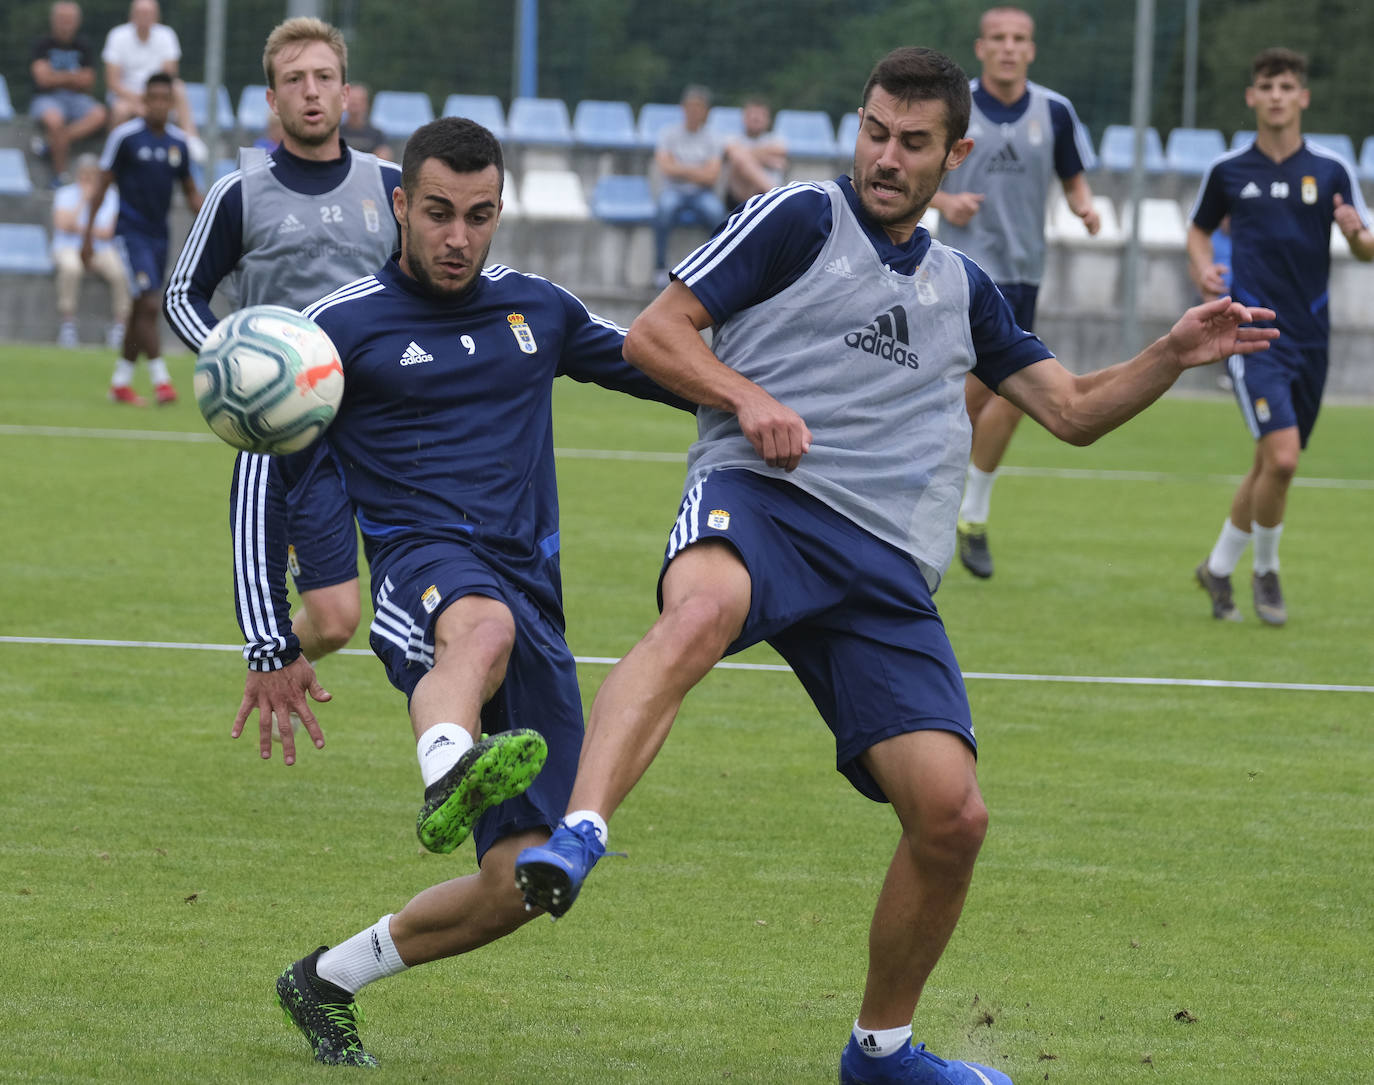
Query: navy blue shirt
215 245
767 246
445 432
146 165
1281 217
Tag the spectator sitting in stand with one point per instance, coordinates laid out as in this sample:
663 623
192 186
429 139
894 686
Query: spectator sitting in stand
270 139
135 50
357 131
63 73
70 213
755 161
688 161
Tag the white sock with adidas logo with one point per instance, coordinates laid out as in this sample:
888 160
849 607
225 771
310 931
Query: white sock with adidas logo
880 1042
439 749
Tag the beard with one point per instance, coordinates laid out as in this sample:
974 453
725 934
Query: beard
428 284
919 191
306 136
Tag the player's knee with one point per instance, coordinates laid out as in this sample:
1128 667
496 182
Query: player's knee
1282 464
702 624
334 625
953 832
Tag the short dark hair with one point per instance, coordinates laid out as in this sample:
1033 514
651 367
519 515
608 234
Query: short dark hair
158 77
915 74
462 145
1277 61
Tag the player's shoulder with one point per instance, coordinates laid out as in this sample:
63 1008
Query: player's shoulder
120 132
1330 160
791 206
510 285
340 302
178 133
1054 97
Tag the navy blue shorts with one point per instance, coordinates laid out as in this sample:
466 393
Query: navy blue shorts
540 691
1021 297
1279 387
145 261
851 615
319 525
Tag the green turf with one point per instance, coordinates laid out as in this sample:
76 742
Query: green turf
1175 887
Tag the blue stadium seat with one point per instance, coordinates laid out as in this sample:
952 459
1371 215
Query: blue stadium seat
24 249
224 166
847 135
1337 142
399 112
199 97
726 120
601 125
14 173
540 122
623 199
1367 159
1190 151
6 106
1118 149
653 118
485 109
1241 139
253 111
808 133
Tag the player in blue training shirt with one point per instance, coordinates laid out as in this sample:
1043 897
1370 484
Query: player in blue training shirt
993 209
144 158
1282 194
445 441
286 229
820 506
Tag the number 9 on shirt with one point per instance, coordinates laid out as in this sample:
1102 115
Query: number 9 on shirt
268 380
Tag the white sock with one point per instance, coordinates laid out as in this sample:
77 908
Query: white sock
157 370
880 1042
1231 544
1266 547
369 955
439 749
598 822
977 495
123 374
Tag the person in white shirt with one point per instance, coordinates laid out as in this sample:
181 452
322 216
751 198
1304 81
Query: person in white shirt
135 50
70 213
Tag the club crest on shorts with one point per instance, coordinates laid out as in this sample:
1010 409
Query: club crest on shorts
430 599
293 563
718 520
1262 409
522 333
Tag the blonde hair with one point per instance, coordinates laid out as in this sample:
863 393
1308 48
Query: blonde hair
301 31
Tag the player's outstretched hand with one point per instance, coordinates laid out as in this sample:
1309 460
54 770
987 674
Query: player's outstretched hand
1217 329
778 433
278 694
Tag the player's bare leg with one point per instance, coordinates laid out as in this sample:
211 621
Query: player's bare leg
327 619
1276 463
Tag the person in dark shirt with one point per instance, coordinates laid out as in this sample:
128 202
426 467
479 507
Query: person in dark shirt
356 131
63 72
1281 193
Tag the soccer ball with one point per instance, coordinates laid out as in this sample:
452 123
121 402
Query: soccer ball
268 379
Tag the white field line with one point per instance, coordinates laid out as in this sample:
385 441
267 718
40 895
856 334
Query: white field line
1080 473
1101 680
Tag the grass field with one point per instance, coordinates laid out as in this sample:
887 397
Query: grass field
1176 885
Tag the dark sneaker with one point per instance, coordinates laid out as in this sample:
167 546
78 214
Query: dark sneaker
497 768
912 1066
1219 588
973 549
324 1013
1269 598
550 875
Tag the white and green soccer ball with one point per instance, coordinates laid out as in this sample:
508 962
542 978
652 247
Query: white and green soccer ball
268 380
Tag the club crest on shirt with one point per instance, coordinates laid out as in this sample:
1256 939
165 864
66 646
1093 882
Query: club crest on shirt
1309 190
522 333
1262 409
371 219
430 599
718 520
1035 133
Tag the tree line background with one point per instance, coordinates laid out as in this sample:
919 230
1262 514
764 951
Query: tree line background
803 54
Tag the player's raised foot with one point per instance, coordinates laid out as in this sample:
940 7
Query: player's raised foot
1219 589
973 549
324 1013
912 1066
124 394
550 875
1269 598
166 395
495 769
